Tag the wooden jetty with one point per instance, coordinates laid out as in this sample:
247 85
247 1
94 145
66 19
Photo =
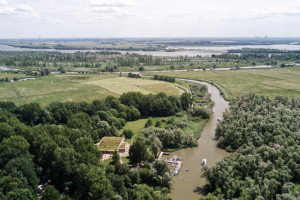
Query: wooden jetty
174 160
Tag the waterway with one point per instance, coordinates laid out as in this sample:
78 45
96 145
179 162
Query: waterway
191 184
3 68
231 47
181 50
191 53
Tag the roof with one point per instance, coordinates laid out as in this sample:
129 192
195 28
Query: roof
110 143
123 145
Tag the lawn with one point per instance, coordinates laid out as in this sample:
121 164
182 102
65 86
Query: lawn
78 88
270 82
138 125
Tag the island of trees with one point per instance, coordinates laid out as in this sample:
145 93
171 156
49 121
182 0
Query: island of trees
264 136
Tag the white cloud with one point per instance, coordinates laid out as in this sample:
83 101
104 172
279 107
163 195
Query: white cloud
23 8
3 2
112 3
106 10
6 11
141 18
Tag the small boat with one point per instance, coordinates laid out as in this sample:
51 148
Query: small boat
175 171
187 169
203 162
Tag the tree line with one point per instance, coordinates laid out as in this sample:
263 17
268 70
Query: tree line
164 78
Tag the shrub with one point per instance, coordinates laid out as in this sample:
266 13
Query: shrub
149 123
158 124
128 133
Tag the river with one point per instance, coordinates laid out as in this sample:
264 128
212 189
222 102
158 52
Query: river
231 47
191 53
181 50
192 187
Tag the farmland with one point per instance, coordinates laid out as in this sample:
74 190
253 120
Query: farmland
270 82
47 89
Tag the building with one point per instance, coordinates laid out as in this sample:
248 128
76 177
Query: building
108 145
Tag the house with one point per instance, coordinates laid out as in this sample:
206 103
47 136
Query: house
108 145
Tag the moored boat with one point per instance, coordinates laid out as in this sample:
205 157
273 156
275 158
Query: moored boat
203 162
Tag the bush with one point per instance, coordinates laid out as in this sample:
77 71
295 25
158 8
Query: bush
149 123
158 124
128 133
164 120
171 120
200 112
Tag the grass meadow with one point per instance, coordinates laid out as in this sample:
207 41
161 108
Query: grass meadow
78 88
269 82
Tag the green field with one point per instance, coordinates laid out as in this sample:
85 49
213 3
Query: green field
78 88
270 82
138 125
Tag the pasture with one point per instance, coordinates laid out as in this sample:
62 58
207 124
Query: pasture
269 82
78 88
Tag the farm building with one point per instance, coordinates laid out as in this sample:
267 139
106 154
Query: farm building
108 145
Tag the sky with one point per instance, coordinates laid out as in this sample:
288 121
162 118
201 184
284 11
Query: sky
148 18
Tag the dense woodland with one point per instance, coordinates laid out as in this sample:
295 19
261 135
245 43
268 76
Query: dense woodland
264 135
55 146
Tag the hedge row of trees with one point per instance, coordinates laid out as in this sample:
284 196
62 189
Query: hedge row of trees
156 105
164 78
265 134
131 75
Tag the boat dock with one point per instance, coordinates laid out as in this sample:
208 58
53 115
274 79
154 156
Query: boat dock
174 161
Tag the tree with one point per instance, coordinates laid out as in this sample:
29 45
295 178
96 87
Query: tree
128 133
91 183
5 130
138 151
149 122
13 147
158 124
51 193
31 114
19 194
115 158
161 173
186 100
22 168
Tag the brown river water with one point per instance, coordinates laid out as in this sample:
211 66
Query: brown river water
190 186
